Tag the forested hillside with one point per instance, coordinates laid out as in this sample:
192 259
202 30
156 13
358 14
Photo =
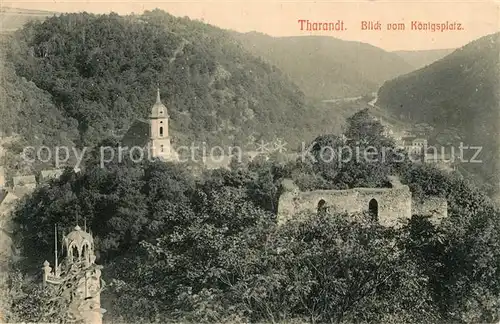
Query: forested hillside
29 112
420 59
103 70
458 93
326 67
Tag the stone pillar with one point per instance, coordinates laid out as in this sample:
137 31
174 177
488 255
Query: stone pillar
46 271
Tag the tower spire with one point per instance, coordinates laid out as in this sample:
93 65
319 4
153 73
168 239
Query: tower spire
158 100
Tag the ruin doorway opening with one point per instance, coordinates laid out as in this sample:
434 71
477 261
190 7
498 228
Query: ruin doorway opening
321 205
373 209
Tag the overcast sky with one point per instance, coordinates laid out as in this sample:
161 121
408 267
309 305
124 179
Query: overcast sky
280 18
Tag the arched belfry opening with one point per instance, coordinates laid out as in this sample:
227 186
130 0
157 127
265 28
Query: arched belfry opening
79 246
75 254
373 209
161 131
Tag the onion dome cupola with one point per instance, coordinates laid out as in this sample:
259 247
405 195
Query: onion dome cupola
79 245
159 110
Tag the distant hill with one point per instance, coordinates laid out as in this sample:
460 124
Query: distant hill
326 67
102 72
458 93
419 59
14 18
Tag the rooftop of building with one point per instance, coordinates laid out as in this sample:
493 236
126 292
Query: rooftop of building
24 180
49 174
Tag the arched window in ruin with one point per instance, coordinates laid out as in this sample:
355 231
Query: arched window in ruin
373 209
161 131
321 205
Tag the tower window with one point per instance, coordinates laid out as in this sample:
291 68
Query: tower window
161 122
161 131
161 148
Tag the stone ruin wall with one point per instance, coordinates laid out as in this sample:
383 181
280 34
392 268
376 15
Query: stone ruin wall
394 203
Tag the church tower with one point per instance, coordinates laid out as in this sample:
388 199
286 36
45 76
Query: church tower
159 140
76 282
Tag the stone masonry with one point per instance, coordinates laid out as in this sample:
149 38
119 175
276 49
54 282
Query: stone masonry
390 205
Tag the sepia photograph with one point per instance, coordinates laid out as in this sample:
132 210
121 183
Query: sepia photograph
249 161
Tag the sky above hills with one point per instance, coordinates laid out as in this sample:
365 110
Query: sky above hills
281 18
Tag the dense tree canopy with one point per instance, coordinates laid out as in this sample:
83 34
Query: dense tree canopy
207 249
30 113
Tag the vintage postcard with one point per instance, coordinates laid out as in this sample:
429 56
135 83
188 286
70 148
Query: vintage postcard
248 161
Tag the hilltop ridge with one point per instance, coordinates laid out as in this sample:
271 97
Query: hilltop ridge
12 19
326 67
457 93
421 58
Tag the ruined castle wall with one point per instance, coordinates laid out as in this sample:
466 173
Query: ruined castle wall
435 207
392 203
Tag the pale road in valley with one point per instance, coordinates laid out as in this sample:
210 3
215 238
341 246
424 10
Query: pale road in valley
342 99
348 99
